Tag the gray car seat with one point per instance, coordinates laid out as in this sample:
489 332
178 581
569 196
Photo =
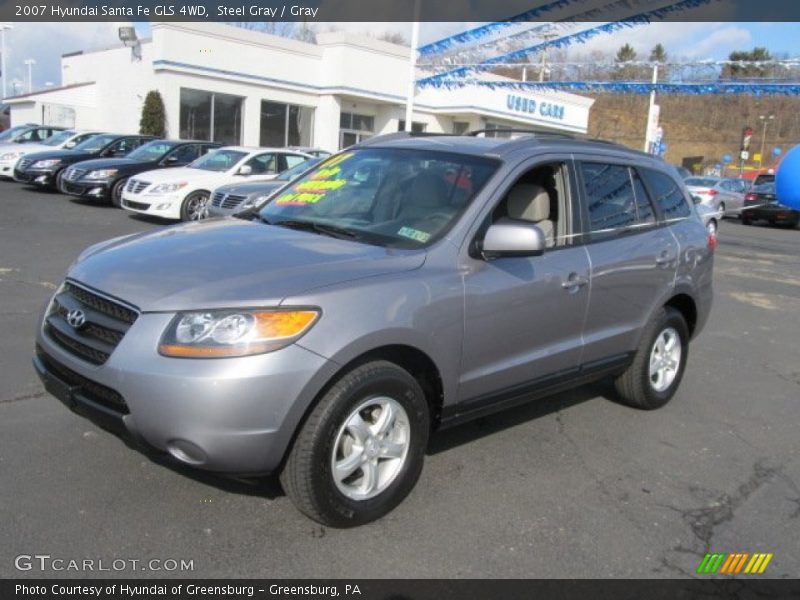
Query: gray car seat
531 202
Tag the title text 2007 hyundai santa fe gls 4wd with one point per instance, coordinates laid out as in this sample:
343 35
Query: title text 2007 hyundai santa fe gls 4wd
407 283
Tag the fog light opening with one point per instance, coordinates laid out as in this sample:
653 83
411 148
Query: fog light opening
187 452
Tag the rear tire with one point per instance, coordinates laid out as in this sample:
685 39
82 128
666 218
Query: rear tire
649 382
747 220
116 192
347 467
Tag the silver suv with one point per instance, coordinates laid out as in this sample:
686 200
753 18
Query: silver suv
406 284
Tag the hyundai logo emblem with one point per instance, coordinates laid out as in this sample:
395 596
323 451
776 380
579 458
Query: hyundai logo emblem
76 318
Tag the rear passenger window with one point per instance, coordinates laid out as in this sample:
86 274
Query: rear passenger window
610 198
667 195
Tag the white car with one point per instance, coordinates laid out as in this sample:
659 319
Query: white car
182 193
64 140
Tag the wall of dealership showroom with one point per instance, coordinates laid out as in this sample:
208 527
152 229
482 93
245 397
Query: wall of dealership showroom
342 73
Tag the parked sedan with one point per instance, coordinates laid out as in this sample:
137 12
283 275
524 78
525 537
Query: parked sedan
761 204
30 133
182 193
46 169
724 194
237 197
63 140
105 178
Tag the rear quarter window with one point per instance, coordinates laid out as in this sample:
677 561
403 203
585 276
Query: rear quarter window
667 194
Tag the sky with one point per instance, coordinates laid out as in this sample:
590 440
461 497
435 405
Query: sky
46 42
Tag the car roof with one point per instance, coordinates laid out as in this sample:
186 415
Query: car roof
499 147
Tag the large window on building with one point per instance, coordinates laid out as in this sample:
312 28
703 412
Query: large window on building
354 128
210 116
285 124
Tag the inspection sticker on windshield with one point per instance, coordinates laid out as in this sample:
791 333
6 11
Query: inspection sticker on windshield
414 234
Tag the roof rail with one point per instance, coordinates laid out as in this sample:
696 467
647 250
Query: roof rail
533 132
398 135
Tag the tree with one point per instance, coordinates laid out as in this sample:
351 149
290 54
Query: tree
658 54
758 54
154 120
625 54
393 37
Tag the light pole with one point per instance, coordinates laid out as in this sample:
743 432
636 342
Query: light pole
764 120
30 62
412 67
3 72
652 114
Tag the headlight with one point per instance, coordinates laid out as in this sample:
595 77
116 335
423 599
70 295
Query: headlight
223 333
11 155
166 188
251 201
101 174
46 164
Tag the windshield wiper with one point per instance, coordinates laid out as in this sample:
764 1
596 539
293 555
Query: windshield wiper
321 228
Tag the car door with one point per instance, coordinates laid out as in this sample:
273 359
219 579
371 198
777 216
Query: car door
727 198
633 258
523 316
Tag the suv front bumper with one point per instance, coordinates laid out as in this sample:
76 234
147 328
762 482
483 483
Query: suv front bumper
234 415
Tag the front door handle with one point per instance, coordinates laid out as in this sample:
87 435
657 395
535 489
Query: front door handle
574 282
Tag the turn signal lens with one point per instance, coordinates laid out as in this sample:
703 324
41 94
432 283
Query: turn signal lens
219 334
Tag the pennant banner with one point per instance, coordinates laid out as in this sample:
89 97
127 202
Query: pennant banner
627 87
579 37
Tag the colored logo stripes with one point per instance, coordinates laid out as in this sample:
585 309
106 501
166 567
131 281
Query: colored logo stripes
734 563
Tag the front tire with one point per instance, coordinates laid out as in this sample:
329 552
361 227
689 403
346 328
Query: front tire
116 192
360 452
658 365
59 181
194 206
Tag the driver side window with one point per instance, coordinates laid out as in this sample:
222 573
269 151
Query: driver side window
540 197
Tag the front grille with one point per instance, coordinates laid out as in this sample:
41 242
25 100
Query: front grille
136 205
105 323
232 201
226 200
74 174
24 163
136 186
92 390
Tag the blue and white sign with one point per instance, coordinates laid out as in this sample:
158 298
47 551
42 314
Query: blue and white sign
547 110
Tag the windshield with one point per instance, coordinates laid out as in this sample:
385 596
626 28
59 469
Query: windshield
58 138
296 170
151 151
401 198
11 133
95 144
700 182
764 179
218 160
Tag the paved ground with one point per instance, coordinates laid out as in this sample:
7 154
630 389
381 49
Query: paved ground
572 486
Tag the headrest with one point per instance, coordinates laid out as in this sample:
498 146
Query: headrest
529 202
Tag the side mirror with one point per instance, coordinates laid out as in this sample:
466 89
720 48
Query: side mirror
70 145
245 170
508 237
171 160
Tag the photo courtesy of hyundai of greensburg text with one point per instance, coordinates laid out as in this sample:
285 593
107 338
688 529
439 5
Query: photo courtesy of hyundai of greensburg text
400 301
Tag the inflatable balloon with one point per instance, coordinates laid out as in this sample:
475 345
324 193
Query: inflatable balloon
776 151
787 179
727 158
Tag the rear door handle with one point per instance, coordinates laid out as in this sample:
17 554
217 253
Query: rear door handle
664 259
574 282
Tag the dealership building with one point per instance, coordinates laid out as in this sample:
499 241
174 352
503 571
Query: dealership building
237 86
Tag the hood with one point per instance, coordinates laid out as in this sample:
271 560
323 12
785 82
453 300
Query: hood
66 156
225 263
251 187
24 148
193 176
108 163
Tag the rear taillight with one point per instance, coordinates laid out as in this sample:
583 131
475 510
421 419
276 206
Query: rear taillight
712 192
712 241
750 196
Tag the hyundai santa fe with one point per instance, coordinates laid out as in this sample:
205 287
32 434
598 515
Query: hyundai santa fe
406 284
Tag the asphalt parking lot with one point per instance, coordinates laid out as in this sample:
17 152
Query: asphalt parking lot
571 486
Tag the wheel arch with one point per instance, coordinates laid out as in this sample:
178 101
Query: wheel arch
686 305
